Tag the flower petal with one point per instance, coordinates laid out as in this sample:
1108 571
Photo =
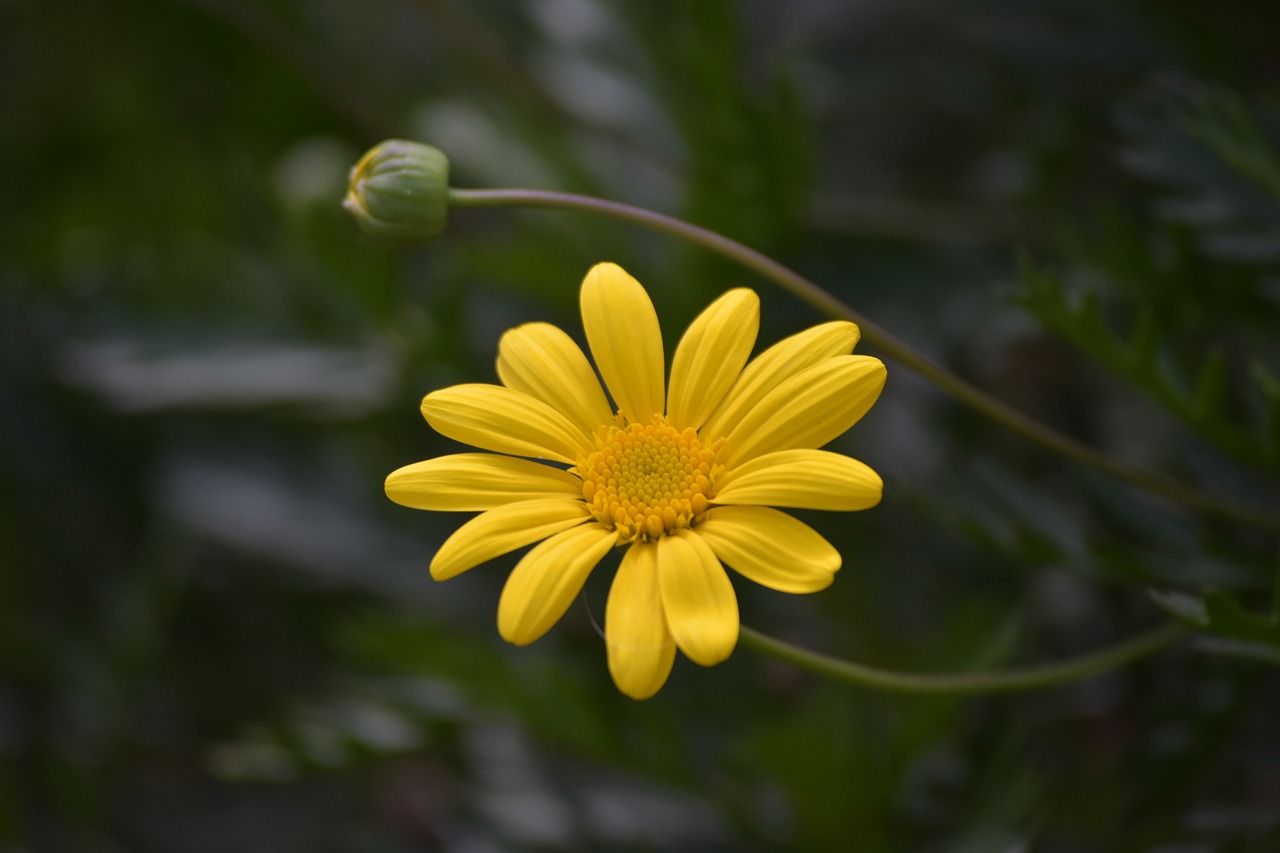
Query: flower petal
808 410
544 362
506 528
623 333
468 482
640 647
801 479
546 580
702 611
779 362
506 421
710 357
770 547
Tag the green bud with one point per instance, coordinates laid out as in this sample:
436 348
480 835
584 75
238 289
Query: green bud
399 192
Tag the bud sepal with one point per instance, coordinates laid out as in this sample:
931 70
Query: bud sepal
399 192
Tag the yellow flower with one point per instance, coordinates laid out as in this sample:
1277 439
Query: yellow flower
681 475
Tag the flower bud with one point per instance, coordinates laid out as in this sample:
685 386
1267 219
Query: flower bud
399 192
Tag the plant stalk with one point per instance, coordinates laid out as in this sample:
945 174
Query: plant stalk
971 683
806 290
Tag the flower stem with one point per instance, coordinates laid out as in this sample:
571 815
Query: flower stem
1002 681
806 290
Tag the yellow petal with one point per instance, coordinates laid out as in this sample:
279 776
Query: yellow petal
770 547
807 410
710 357
542 361
640 647
546 580
702 611
506 528
801 479
506 421
778 363
622 331
468 482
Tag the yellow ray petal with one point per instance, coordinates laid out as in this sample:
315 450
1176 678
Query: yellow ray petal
495 418
544 362
506 528
622 331
801 479
778 363
640 647
711 355
702 611
807 410
469 482
770 547
546 580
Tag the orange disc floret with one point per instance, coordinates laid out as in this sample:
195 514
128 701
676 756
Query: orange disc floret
648 479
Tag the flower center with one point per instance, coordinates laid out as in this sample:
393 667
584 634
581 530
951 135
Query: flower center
647 479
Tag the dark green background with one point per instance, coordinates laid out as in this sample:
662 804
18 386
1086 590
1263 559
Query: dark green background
217 634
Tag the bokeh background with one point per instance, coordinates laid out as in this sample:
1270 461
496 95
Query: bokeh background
217 634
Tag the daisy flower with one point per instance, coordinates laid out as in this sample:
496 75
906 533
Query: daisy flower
683 474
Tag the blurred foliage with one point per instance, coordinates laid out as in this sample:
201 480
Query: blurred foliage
217 634
1192 148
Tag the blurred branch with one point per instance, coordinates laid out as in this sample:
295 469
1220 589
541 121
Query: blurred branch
258 25
912 220
1001 681
474 42
323 77
808 291
1223 122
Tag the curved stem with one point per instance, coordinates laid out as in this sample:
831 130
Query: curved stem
1003 681
877 337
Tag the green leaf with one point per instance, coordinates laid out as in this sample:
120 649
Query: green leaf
1234 629
1228 618
1242 649
1211 388
1145 342
1144 358
1181 606
1224 123
1269 385
1266 380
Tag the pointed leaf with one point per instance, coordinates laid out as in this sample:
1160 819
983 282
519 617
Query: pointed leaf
1211 388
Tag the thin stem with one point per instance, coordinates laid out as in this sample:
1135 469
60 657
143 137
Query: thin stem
1003 681
877 337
